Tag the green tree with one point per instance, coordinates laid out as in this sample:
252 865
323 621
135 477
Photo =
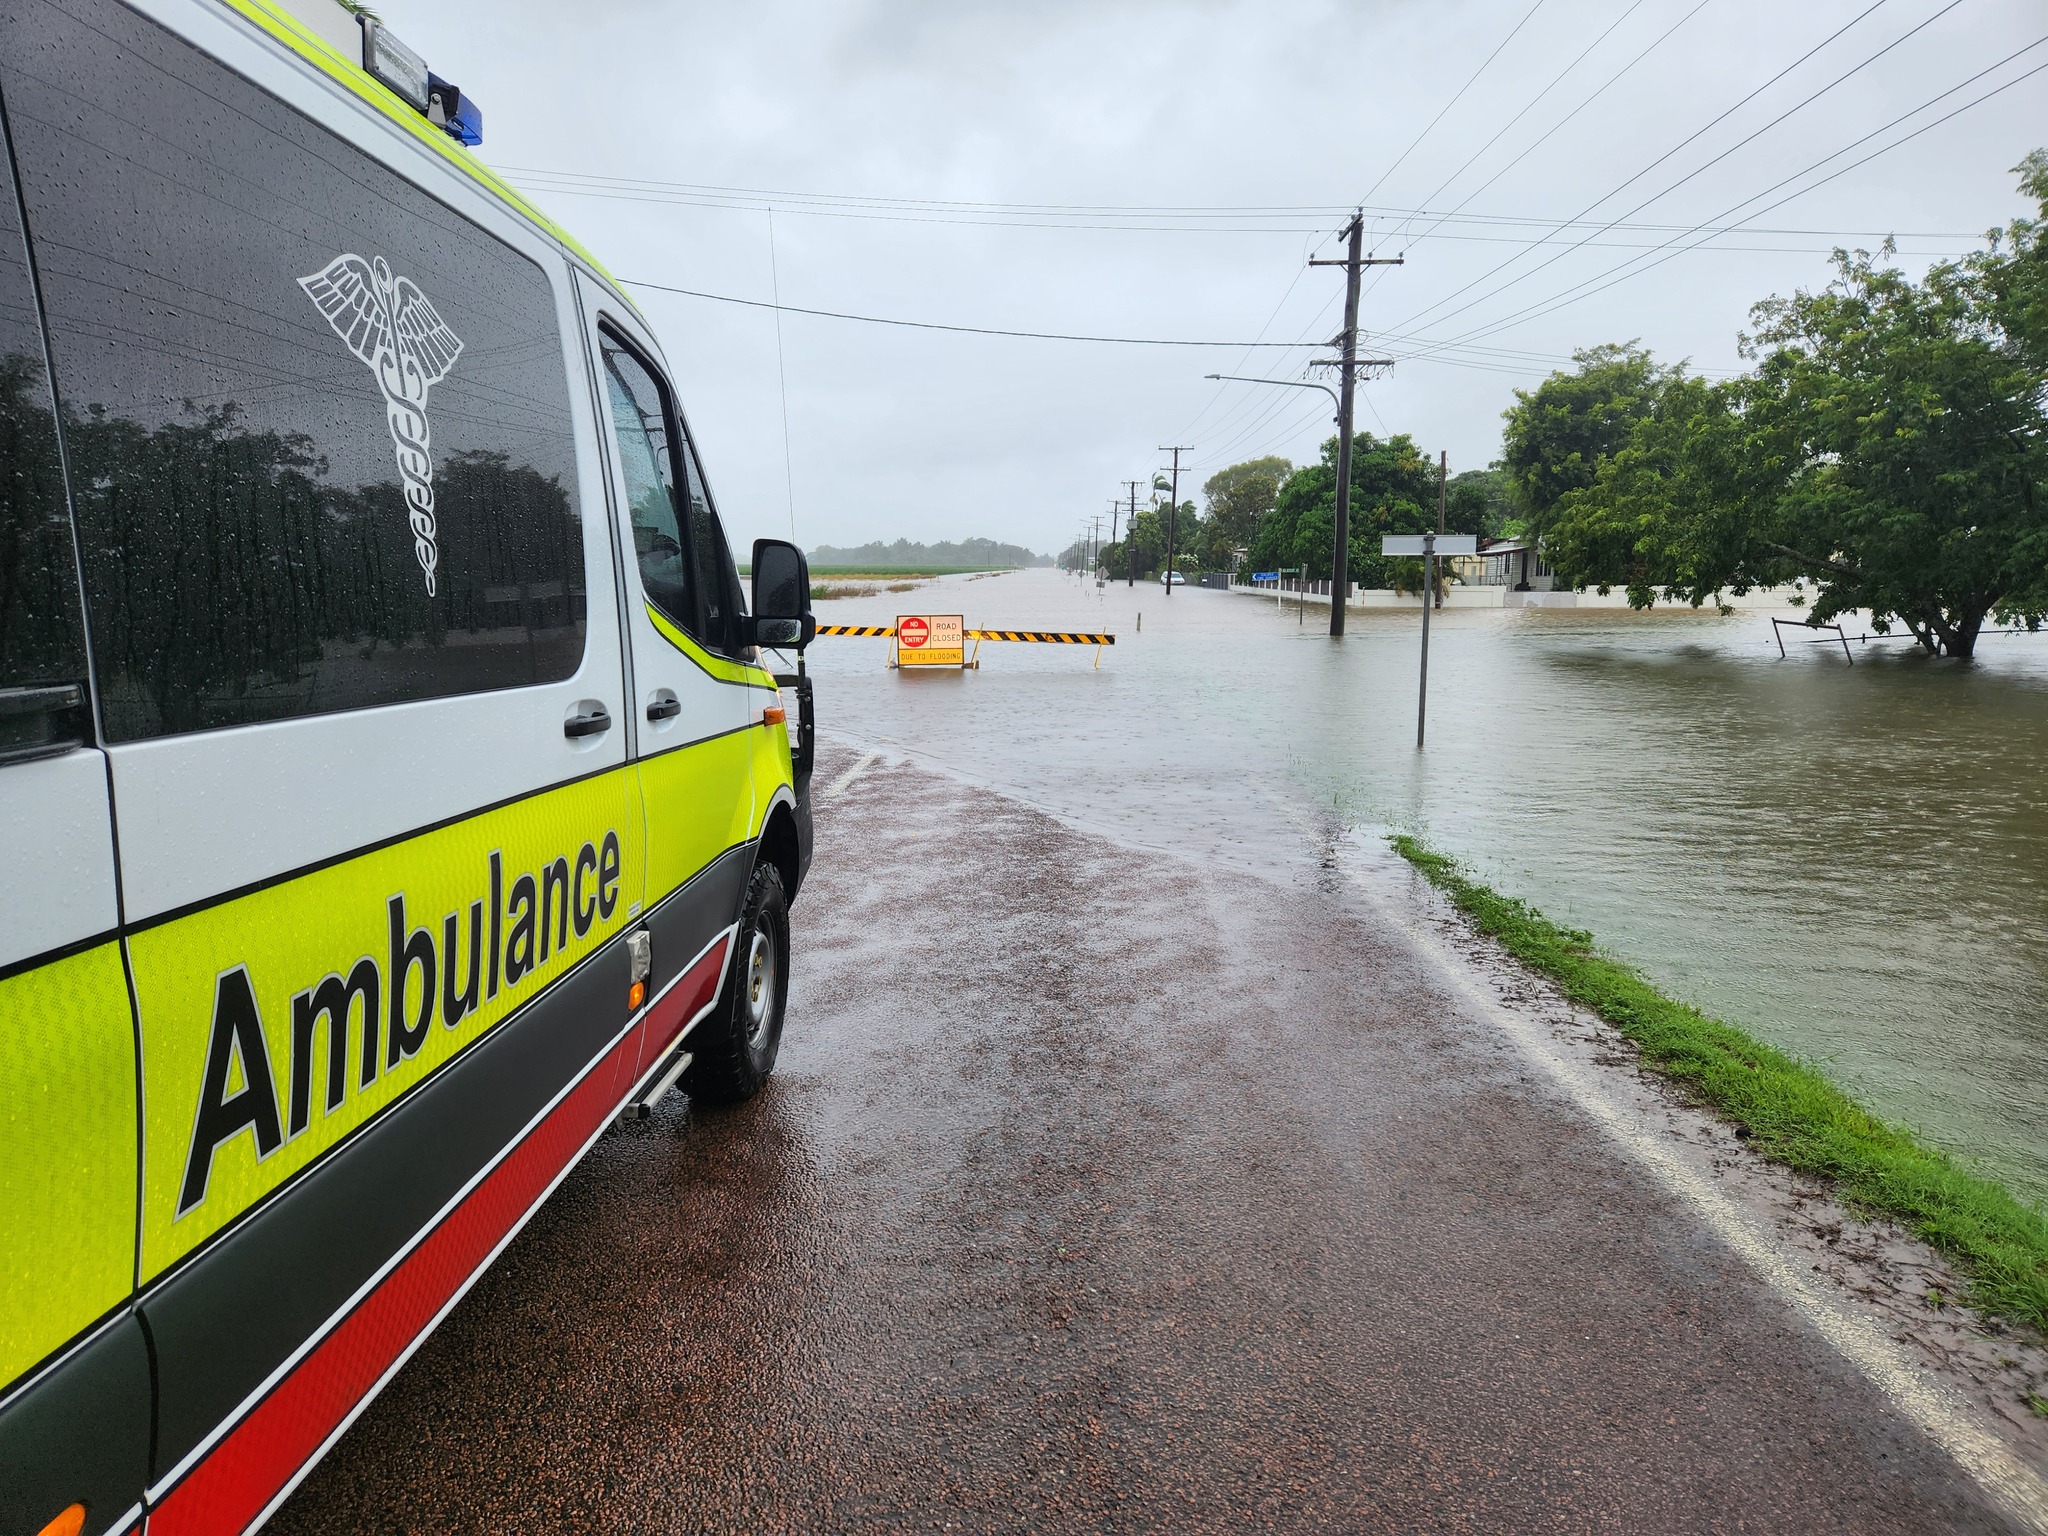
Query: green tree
1891 446
1146 538
1239 499
1481 501
1559 433
1393 490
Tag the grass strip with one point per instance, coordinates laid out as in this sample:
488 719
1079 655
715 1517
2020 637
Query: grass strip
1790 1110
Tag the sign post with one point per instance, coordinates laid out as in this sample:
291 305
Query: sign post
931 640
1429 546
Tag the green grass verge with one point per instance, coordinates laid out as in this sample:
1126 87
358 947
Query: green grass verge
1792 1112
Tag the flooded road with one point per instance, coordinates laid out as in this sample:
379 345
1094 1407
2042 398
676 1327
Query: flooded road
1851 861
1105 1190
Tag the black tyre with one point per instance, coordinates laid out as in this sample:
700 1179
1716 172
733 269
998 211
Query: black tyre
735 1047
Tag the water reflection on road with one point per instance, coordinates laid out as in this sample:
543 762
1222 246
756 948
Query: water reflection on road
1848 860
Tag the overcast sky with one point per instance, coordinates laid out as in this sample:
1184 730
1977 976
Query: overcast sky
1222 144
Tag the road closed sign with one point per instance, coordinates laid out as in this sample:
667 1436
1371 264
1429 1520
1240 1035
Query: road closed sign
931 640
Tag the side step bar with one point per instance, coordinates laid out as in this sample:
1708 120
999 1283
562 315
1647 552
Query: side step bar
641 1105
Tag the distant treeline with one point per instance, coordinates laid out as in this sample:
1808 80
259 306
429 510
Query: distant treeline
966 554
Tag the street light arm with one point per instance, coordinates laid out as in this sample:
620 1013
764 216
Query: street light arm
1238 378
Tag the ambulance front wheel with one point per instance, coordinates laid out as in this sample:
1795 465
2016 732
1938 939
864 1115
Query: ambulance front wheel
735 1048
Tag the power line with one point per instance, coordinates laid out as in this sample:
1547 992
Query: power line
1484 63
1529 149
681 194
1217 393
1555 81
971 330
1654 44
1619 274
1691 138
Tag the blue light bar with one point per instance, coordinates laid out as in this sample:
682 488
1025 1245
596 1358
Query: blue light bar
452 112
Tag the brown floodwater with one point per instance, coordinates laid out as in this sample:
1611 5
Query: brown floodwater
1848 860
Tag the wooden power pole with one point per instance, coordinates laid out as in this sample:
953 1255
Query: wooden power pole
1131 566
1348 363
1173 511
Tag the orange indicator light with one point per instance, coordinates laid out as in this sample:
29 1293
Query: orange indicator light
774 714
70 1523
636 996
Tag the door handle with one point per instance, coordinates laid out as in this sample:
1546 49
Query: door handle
664 709
596 723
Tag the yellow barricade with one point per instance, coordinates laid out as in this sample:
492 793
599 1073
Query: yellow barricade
1033 636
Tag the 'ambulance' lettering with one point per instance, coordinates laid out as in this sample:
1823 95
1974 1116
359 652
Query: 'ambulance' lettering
397 1002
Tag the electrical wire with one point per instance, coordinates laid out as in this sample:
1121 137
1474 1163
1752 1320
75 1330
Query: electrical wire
1554 82
684 194
1655 43
1618 274
1484 64
1796 107
933 325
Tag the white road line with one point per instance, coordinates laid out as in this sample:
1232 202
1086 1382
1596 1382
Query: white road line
840 785
1937 1411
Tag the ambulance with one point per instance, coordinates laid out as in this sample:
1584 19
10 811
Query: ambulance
394 791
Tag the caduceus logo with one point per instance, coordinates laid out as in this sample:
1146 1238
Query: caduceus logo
388 323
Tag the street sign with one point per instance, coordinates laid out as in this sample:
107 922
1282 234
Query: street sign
931 640
1446 544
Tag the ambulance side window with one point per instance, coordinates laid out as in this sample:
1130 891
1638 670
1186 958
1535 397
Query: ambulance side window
42 637
317 422
723 604
643 427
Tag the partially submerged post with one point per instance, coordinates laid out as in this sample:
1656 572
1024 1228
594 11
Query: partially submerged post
1429 546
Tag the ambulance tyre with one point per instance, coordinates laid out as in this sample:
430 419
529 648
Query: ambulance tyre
735 1047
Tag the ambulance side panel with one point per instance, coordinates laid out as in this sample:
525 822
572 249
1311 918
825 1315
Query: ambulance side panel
348 558
74 1369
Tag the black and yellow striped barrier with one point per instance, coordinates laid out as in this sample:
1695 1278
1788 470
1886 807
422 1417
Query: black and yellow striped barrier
1042 636
1034 636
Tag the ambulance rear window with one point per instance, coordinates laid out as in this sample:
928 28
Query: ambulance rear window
318 423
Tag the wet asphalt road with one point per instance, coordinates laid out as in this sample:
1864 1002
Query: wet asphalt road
1103 1191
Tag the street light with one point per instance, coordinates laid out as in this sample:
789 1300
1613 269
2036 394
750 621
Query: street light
1237 378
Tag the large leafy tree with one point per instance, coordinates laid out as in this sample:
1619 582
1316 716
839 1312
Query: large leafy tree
1393 490
1559 433
1240 497
1891 446
1481 501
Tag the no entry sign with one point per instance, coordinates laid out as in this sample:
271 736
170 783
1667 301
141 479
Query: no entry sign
931 640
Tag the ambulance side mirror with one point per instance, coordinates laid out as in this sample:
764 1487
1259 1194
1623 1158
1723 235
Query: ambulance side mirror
782 595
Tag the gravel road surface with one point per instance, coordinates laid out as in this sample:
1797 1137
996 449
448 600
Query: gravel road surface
1101 1190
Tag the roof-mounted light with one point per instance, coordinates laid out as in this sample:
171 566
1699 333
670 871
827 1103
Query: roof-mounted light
396 66
449 109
